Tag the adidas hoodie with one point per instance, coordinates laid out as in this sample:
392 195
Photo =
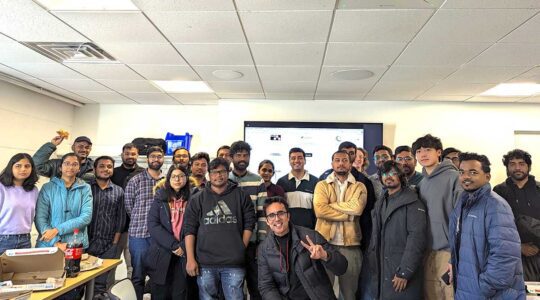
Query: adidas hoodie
440 191
218 222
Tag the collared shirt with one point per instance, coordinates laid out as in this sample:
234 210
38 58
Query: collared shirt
299 193
138 199
108 216
253 185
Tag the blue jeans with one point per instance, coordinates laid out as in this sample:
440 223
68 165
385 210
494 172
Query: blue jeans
232 282
138 248
14 241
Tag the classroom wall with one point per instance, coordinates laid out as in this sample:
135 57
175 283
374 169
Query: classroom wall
481 127
29 119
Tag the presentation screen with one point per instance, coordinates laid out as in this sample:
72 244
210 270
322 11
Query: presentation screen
273 140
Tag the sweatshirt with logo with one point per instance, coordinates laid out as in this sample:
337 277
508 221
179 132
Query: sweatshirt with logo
218 222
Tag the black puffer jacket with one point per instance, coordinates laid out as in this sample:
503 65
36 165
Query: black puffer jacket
274 284
398 244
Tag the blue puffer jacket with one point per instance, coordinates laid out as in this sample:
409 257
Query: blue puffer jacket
489 261
63 209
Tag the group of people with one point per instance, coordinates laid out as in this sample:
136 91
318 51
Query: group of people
202 228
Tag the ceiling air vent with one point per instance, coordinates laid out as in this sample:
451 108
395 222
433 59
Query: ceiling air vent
72 52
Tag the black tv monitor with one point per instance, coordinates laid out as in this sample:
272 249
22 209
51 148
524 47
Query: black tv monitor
272 140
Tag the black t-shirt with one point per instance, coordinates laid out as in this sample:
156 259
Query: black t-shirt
527 201
296 290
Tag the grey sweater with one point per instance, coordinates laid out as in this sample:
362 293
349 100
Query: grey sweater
440 192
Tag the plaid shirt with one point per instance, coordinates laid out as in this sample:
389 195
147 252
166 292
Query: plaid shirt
108 217
138 198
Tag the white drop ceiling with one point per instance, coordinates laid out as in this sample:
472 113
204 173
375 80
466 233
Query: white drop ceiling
418 50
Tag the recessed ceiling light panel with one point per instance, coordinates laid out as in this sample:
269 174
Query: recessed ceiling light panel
513 90
353 74
176 86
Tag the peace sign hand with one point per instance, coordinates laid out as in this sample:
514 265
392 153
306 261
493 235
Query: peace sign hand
317 251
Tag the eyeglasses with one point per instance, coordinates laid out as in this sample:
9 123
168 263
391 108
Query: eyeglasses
216 172
73 165
405 159
181 156
279 214
384 156
157 157
391 173
178 177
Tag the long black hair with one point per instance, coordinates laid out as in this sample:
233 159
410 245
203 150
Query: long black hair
6 177
168 192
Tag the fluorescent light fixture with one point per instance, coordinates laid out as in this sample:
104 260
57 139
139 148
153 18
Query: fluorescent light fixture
513 90
183 86
88 5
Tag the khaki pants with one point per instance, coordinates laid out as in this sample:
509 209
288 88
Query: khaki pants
436 264
348 282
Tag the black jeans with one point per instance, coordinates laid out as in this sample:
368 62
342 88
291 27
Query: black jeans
176 285
101 281
251 271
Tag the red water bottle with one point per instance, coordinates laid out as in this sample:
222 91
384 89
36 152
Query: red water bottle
73 255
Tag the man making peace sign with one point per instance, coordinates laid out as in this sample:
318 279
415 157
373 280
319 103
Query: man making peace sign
292 259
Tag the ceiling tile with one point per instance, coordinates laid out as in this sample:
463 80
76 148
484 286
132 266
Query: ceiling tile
506 54
378 25
339 96
344 87
165 72
196 99
439 54
479 74
241 96
535 99
13 52
200 101
136 86
417 73
289 73
58 90
107 97
78 85
249 72
472 25
390 97
288 54
389 4
105 71
199 27
12 72
458 88
116 27
326 74
286 27
531 75
408 89
494 99
453 98
215 54
144 53
289 96
491 4
362 54
49 70
254 5
235 86
184 5
292 87
39 25
526 33
151 98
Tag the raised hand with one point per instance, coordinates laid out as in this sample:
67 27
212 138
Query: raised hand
57 140
316 251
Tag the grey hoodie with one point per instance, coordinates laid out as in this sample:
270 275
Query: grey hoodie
440 192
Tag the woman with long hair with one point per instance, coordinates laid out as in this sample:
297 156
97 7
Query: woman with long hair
18 197
166 258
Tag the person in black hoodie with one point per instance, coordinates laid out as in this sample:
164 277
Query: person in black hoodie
165 259
219 222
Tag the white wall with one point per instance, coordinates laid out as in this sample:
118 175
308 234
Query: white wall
29 119
484 128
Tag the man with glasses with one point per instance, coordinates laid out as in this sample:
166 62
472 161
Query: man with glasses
407 161
292 259
381 154
338 202
219 222
50 167
138 199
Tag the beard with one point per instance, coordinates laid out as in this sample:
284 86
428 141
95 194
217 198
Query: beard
102 177
241 165
518 176
342 173
156 166
129 163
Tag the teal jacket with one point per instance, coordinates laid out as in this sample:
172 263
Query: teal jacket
63 209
